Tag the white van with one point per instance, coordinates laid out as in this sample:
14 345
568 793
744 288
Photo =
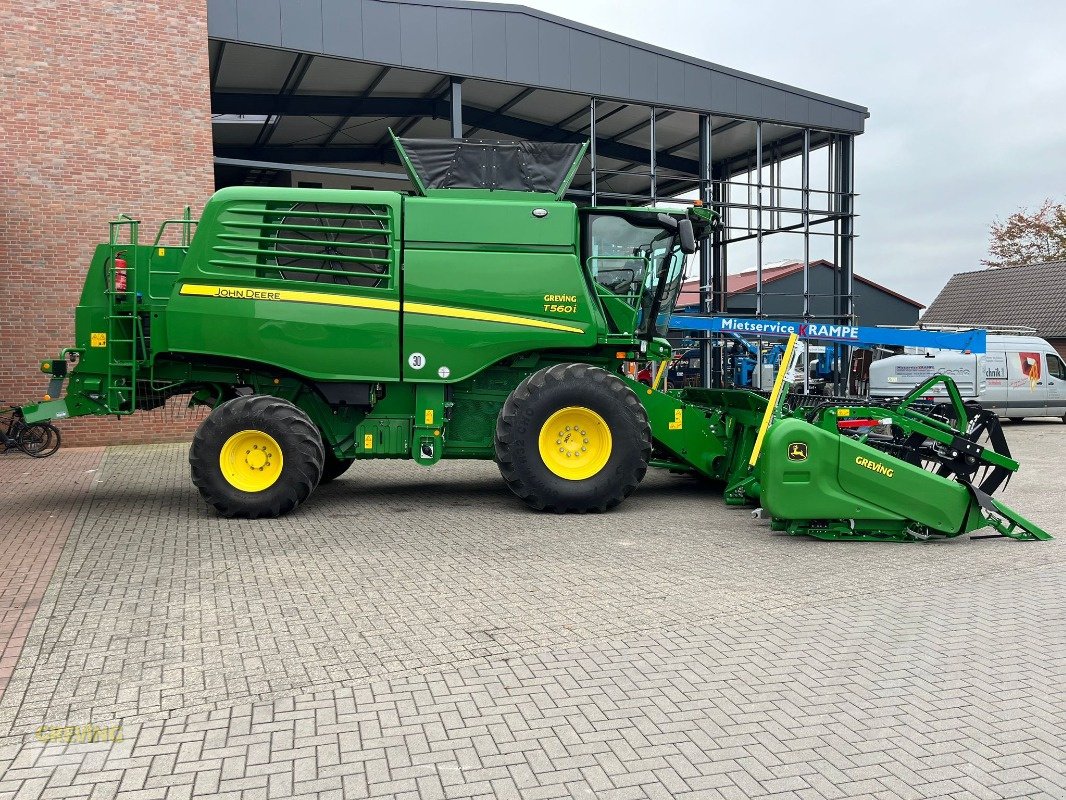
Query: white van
1018 376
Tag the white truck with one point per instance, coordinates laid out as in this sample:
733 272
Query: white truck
1018 376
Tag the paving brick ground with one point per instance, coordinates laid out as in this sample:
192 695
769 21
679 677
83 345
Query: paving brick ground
417 633
35 529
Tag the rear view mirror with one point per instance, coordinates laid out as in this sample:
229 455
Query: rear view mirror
686 237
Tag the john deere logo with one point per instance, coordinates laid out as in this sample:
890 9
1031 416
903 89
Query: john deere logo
797 451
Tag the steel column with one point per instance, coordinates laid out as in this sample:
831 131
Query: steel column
805 182
651 159
847 232
832 207
592 148
758 220
846 180
719 270
708 357
457 108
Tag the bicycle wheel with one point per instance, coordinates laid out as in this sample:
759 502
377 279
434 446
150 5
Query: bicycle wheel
40 440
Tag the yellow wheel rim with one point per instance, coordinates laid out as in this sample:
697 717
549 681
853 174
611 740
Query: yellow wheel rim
575 443
251 461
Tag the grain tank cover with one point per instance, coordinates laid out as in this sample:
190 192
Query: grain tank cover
546 167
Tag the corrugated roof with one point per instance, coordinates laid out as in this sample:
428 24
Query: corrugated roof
746 282
1032 295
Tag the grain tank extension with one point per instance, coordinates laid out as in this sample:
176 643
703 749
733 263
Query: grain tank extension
482 316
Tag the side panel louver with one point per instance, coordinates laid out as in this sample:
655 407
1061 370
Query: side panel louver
334 243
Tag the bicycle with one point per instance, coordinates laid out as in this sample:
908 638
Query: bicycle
38 440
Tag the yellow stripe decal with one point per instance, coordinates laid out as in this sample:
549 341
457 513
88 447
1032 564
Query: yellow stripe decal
285 295
485 316
771 404
659 374
324 298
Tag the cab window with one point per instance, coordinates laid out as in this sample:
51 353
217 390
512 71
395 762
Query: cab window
622 255
629 253
1055 367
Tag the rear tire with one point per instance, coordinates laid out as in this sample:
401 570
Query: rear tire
256 456
39 440
596 458
333 467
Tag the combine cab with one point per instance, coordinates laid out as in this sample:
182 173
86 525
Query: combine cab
482 317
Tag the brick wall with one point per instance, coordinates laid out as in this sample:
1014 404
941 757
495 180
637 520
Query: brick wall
107 109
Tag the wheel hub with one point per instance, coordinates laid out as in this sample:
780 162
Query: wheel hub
575 443
251 461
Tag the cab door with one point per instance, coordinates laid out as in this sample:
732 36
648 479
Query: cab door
1056 385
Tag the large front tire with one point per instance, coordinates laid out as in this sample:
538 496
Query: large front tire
573 438
256 456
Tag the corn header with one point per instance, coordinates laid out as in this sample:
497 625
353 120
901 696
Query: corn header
483 316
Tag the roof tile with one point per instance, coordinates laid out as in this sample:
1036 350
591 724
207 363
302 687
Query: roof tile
1032 295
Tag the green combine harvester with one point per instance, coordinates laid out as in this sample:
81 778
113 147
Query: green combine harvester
484 317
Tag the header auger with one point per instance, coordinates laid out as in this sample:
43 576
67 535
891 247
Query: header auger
482 317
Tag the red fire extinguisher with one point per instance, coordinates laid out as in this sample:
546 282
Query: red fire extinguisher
120 272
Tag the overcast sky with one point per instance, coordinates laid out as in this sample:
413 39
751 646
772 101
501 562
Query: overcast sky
967 103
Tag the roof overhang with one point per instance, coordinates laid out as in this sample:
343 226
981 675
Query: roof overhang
320 83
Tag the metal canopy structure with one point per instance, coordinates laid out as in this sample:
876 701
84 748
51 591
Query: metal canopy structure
305 91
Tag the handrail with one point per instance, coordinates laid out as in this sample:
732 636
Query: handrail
187 223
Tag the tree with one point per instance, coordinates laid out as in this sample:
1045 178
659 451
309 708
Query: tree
1028 238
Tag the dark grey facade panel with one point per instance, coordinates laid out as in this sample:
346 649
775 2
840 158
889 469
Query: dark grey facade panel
821 114
797 108
724 94
875 307
698 90
523 51
584 59
381 33
490 43
222 19
671 77
783 298
841 117
519 45
749 99
643 77
343 34
259 21
553 53
772 102
418 37
614 67
301 25
455 41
